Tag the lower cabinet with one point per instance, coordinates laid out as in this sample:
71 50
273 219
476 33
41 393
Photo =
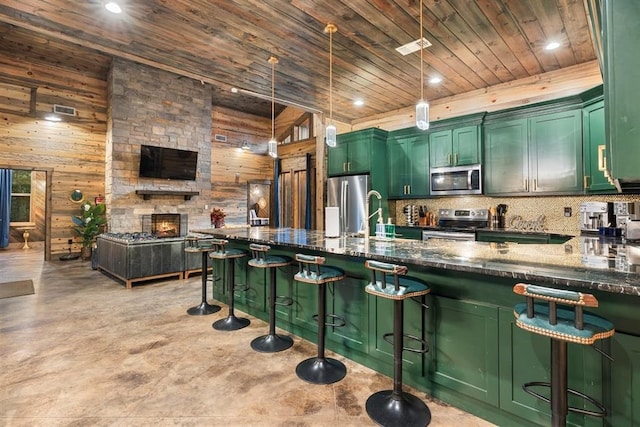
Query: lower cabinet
414 233
464 349
478 359
625 381
381 323
526 357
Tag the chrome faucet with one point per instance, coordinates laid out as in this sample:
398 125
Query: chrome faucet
368 217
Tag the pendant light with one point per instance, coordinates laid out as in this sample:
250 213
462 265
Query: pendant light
273 144
330 132
422 108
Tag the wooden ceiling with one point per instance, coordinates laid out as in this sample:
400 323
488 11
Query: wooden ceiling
475 44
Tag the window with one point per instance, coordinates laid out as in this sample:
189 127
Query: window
300 130
21 196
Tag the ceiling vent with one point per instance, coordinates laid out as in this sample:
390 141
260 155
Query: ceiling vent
221 138
63 109
413 46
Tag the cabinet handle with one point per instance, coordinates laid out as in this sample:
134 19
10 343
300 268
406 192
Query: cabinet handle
348 166
344 167
455 158
525 184
585 182
535 184
602 160
449 159
408 189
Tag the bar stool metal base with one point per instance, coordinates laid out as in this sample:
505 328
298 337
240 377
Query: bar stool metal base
271 343
231 323
203 309
390 410
316 370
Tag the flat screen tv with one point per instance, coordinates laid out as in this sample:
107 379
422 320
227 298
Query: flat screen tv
168 163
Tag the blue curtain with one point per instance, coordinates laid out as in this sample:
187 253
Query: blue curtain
5 206
307 216
276 193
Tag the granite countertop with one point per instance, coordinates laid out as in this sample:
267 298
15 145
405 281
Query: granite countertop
583 262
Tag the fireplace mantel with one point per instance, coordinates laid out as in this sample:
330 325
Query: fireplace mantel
146 194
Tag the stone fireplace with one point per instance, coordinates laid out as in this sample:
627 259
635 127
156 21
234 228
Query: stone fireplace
148 106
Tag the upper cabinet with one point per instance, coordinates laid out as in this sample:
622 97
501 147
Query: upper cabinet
594 144
408 163
535 151
455 142
357 152
621 71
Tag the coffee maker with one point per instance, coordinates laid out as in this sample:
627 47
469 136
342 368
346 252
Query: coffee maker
594 215
628 219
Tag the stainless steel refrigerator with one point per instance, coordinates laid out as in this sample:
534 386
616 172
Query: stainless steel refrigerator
348 193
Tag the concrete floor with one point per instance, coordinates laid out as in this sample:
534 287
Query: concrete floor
85 351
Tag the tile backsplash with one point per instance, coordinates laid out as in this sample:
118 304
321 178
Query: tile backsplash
528 208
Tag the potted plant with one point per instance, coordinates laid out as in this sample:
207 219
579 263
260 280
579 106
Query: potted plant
88 225
217 217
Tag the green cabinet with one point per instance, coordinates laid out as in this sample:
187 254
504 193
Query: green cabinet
455 147
540 153
464 348
555 152
625 380
381 313
523 238
506 156
413 233
408 163
357 152
525 357
594 146
621 75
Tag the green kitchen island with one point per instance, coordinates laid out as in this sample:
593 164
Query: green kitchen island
478 360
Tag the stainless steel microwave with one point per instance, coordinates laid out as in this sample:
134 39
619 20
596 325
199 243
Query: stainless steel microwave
454 180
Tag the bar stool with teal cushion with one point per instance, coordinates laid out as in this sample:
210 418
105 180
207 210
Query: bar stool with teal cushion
271 342
221 252
320 369
563 325
203 247
396 408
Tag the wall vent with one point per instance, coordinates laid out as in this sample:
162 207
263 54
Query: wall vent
63 109
221 138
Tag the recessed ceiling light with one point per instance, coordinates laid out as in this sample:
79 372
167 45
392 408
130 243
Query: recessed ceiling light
113 7
53 118
435 80
234 90
552 45
358 102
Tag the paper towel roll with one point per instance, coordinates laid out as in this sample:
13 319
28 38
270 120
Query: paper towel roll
332 222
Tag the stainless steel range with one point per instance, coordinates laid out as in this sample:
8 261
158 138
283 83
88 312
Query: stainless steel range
458 224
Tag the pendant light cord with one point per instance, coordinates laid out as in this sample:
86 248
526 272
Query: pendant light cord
273 60
331 77
421 53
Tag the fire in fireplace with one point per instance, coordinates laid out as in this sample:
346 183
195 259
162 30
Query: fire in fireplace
165 225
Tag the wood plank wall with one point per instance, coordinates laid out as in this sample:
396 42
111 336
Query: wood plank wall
232 167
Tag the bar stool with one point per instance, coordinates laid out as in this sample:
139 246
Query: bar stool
396 408
320 369
195 245
231 322
562 325
272 342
